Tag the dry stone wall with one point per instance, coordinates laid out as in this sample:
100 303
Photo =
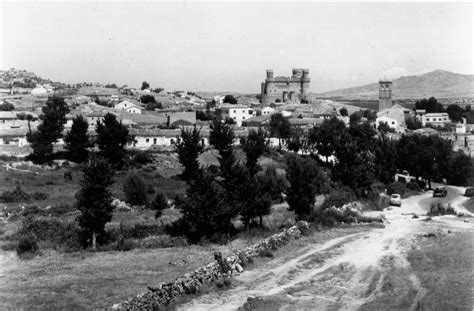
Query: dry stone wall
165 293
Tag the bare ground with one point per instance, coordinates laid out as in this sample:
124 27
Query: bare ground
367 271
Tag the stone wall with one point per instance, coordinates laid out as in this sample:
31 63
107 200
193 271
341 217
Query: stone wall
165 293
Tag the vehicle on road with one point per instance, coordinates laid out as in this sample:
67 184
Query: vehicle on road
440 192
469 192
396 199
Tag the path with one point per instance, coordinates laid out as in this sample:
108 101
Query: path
341 274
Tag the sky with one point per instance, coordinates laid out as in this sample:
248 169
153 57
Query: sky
199 46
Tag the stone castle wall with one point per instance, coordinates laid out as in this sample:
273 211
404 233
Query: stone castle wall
285 89
165 293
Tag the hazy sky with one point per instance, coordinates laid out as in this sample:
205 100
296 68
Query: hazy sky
228 46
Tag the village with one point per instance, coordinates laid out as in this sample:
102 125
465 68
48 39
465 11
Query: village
154 127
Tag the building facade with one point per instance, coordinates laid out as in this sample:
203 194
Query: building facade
285 89
435 119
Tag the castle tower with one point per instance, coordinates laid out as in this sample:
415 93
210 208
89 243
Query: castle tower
385 94
305 82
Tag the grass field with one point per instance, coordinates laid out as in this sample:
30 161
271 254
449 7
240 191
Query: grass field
444 267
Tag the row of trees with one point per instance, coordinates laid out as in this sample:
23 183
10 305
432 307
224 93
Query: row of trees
111 138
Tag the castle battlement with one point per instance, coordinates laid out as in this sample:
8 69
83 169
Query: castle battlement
282 88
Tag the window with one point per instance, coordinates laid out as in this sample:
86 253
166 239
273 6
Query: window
172 141
154 141
427 119
393 122
243 118
235 118
147 140
235 111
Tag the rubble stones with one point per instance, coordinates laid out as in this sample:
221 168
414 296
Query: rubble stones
190 283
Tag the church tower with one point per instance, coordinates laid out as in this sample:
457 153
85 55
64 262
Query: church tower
385 94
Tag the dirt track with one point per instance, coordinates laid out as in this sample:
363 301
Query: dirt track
345 273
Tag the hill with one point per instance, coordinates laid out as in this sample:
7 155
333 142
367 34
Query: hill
437 83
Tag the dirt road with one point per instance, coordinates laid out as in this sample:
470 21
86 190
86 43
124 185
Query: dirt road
346 273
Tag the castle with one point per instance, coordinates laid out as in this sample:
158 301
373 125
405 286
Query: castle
283 89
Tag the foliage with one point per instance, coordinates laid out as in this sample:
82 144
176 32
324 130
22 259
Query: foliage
158 90
326 137
112 137
254 145
338 198
94 198
40 196
222 137
16 195
158 204
7 107
459 169
77 140
295 141
385 159
343 111
397 187
189 149
306 180
413 123
279 127
134 189
27 244
230 99
430 105
229 120
49 131
384 128
455 113
145 99
145 85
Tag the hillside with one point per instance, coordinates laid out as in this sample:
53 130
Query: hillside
438 83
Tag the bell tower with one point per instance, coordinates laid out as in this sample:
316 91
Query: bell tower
385 94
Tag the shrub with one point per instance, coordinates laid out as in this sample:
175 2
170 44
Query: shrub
439 209
413 186
158 204
125 245
27 244
265 253
134 189
60 209
32 210
397 187
338 198
40 196
162 241
16 195
150 189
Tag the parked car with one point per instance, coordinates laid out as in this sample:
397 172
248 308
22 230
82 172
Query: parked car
396 199
469 192
440 192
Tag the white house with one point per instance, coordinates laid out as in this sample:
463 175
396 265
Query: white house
148 138
392 123
238 113
268 111
129 107
15 137
395 117
435 119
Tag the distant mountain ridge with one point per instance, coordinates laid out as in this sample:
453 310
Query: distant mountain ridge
437 83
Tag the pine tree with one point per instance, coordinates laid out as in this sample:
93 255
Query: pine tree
134 189
112 137
77 140
189 149
94 199
49 131
158 204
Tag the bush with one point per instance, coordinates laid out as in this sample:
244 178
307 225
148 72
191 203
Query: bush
33 210
439 209
162 241
27 244
134 189
413 186
16 195
338 198
40 196
150 189
159 204
265 253
397 187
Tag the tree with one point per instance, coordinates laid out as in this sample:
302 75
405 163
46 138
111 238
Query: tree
7 107
326 137
306 180
158 90
296 140
145 99
430 105
279 127
384 128
230 99
134 189
206 211
459 169
343 111
254 145
158 204
229 120
112 137
385 159
189 149
49 131
413 123
77 140
455 113
222 138
94 199
145 85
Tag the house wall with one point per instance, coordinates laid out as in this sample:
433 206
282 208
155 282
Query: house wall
391 122
436 120
237 114
145 142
